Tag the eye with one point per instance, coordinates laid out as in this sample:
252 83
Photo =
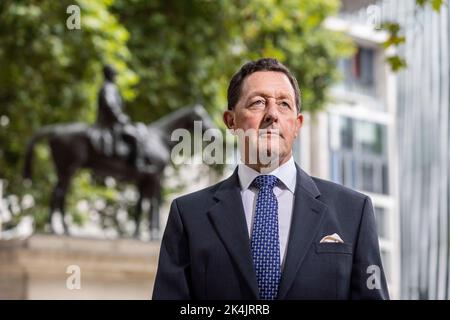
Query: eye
258 102
285 104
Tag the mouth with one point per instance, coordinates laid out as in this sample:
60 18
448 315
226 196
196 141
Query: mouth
270 132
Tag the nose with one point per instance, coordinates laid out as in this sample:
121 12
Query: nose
271 114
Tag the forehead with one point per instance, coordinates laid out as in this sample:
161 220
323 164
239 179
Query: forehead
271 83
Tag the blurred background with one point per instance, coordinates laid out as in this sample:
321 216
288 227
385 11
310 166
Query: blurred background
374 77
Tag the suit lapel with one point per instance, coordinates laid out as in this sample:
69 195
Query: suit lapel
307 216
228 218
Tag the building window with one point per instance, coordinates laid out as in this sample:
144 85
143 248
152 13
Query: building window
359 157
358 72
382 222
386 261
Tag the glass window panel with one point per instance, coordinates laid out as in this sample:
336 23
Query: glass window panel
366 61
369 136
385 179
358 72
359 158
346 132
386 261
367 178
336 167
334 130
382 222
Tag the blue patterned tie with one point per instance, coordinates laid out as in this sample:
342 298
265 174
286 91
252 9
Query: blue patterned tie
265 241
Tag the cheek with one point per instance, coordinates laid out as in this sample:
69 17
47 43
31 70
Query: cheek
247 121
290 130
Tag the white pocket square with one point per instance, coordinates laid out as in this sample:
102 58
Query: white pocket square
333 238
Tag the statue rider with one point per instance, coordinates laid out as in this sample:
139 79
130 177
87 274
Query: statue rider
111 117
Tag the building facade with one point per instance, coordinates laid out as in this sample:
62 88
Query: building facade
388 136
354 141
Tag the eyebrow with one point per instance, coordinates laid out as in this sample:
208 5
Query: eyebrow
264 94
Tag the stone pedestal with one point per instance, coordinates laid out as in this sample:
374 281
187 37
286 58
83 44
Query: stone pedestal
61 267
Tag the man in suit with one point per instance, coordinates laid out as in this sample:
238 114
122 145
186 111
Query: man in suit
265 232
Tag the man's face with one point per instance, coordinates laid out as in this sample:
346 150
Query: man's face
267 102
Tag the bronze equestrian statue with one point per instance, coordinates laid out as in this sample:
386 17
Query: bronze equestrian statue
114 147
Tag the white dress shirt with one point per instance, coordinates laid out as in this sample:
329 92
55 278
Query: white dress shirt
284 191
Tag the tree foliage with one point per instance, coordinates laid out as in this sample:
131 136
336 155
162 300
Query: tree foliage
186 51
169 54
396 38
49 74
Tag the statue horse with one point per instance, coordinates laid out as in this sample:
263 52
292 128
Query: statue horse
72 148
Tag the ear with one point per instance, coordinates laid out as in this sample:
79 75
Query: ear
299 123
228 119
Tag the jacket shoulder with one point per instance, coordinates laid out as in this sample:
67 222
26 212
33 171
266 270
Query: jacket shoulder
200 197
334 190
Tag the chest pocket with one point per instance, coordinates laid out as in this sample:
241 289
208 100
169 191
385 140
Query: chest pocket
337 248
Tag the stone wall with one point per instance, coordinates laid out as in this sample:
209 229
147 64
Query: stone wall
38 267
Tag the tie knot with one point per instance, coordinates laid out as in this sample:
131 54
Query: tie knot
265 181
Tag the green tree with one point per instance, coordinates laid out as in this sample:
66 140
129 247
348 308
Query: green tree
186 51
50 74
169 54
396 37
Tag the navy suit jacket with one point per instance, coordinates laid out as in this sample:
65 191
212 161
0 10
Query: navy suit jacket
206 254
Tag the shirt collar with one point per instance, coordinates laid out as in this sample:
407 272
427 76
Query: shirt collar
286 173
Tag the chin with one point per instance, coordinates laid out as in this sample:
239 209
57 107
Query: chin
268 156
